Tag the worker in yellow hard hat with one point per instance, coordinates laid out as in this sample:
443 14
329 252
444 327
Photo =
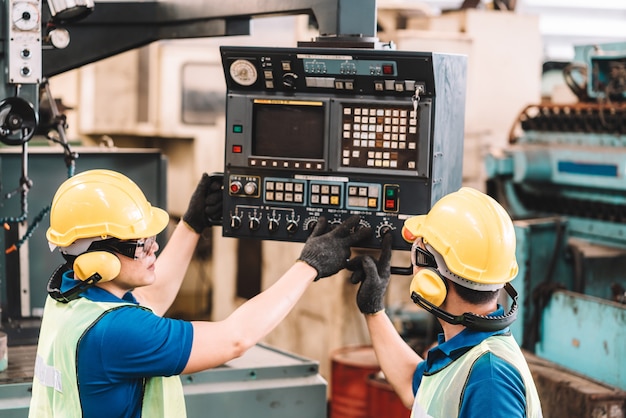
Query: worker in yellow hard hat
105 349
463 254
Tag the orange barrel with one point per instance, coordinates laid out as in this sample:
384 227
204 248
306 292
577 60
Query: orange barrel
383 400
350 368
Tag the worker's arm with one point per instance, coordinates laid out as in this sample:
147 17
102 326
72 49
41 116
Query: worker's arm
396 359
171 265
324 254
215 343
170 268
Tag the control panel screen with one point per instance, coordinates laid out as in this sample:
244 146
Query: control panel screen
288 128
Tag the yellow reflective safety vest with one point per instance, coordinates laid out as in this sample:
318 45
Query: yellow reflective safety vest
55 383
439 395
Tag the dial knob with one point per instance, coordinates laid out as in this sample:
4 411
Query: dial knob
235 222
383 229
254 224
289 80
292 226
273 225
309 224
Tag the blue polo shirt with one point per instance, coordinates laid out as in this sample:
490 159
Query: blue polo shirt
123 348
494 388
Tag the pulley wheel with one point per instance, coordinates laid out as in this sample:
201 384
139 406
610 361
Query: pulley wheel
18 121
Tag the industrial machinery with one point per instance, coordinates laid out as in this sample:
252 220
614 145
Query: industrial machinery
562 179
316 132
340 125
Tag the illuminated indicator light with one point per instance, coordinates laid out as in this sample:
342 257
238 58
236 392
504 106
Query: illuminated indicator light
235 187
391 192
237 149
237 129
390 204
387 69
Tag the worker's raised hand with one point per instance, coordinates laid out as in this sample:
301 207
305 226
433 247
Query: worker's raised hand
374 278
329 251
205 205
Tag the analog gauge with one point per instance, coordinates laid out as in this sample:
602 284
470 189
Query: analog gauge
243 72
60 38
25 15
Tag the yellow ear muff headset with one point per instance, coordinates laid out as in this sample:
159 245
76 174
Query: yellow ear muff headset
97 266
472 236
89 268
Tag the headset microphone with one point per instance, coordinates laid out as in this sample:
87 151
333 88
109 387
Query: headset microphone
470 320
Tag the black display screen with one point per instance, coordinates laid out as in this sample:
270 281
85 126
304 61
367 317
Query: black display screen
288 130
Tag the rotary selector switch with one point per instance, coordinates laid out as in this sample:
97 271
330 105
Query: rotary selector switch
254 223
384 228
309 224
273 225
292 224
363 224
235 221
289 80
273 222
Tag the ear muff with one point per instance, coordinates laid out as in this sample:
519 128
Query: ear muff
105 264
429 284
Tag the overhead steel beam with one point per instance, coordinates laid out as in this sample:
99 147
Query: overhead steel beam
115 27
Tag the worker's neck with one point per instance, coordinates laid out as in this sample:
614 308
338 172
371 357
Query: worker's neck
457 306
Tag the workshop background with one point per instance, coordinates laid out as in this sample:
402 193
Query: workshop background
540 135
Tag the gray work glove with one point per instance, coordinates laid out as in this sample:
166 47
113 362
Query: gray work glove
205 205
374 278
329 251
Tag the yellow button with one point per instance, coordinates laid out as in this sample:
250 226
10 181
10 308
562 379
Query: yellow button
372 202
334 200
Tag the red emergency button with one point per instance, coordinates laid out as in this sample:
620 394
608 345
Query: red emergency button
237 149
235 187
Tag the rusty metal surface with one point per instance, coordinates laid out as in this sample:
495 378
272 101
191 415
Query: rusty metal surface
564 393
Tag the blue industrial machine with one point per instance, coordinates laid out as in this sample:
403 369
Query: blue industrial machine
563 179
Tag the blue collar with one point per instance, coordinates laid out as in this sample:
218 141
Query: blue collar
448 351
94 293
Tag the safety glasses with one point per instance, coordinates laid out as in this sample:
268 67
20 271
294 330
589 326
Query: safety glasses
135 249
420 257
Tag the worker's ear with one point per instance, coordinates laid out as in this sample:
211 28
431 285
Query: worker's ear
103 263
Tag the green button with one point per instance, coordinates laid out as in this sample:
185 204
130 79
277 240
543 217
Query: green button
237 129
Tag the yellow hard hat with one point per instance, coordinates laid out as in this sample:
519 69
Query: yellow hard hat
102 203
473 234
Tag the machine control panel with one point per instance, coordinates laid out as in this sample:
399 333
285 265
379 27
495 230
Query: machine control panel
314 132
24 46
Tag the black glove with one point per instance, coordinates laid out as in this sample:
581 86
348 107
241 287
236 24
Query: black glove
205 205
329 252
374 278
